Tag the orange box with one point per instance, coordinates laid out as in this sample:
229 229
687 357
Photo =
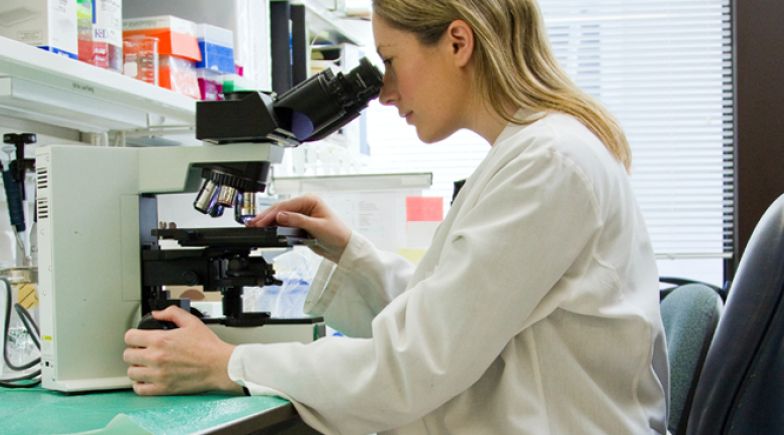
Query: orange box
176 36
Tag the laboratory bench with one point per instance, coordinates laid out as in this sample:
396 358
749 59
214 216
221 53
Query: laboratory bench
40 411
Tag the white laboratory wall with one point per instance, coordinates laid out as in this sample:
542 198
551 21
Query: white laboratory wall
682 157
394 147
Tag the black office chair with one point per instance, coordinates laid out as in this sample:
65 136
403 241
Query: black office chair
741 387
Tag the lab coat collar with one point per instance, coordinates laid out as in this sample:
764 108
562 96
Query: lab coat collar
525 117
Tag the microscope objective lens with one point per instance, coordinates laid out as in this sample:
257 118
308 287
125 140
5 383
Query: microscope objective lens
216 210
204 197
245 207
249 203
226 196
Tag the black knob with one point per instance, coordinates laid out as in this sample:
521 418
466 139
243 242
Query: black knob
190 278
20 138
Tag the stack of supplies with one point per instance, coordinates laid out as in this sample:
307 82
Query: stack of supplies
217 59
178 50
100 33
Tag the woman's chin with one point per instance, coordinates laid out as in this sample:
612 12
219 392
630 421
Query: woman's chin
431 136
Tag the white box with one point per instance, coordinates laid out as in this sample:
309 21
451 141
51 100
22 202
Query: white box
176 24
48 24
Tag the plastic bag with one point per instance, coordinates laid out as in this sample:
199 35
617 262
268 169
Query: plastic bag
296 269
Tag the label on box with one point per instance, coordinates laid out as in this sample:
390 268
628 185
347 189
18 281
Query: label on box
107 17
27 296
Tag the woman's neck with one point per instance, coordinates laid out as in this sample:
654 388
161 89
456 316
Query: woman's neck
487 123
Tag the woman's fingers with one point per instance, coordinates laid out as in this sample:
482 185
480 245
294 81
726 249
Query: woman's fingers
141 374
311 214
308 205
148 389
176 315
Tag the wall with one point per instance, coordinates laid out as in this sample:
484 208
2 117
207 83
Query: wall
759 44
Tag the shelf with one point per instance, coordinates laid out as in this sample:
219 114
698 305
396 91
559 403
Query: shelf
324 23
53 89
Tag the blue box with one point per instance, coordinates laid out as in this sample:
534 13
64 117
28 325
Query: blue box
216 57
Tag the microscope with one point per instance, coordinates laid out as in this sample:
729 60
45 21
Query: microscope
102 266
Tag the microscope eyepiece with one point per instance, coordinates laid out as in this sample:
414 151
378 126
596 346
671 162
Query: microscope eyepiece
363 84
310 111
327 101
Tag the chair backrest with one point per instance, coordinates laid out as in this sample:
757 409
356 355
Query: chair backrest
741 388
690 314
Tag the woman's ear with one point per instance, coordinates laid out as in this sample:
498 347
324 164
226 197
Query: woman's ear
460 38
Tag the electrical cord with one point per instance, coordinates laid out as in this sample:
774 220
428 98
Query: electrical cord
31 379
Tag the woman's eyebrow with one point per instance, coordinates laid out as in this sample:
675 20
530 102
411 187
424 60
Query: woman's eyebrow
379 47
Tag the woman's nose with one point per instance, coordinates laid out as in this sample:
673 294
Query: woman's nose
387 96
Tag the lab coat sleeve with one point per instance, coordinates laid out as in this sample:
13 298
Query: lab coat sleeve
494 279
350 294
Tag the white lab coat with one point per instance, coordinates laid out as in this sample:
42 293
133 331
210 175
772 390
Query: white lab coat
535 311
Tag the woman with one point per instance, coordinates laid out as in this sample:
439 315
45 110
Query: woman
536 308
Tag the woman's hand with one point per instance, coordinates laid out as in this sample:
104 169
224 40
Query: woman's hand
188 359
311 214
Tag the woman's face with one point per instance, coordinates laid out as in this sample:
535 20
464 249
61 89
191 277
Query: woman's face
421 82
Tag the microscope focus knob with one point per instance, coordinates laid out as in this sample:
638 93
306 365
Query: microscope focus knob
190 278
149 322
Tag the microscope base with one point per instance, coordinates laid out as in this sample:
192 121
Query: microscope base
274 331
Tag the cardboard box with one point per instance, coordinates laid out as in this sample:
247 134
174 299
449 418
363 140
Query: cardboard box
176 36
217 48
48 24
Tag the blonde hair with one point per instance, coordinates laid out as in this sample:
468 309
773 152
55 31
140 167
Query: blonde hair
509 35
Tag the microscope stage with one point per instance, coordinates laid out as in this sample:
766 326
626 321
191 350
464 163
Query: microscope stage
269 237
